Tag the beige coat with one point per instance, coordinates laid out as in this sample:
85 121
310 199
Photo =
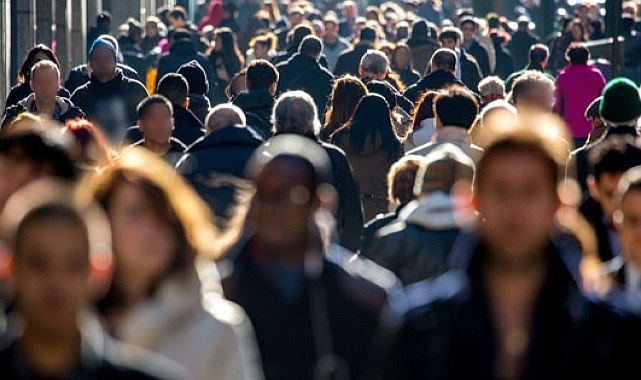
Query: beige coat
190 322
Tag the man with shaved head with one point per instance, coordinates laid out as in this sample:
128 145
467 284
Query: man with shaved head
215 163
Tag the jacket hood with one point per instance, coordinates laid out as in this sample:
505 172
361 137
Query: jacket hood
63 103
435 212
252 99
183 47
110 85
230 135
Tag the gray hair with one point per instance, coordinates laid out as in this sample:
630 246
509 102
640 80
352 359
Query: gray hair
491 85
223 115
295 112
44 65
375 62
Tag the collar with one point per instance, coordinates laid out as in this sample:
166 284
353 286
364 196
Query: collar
451 134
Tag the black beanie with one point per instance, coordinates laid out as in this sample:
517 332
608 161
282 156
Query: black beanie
196 77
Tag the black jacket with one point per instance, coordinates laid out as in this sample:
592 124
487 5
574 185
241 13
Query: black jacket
433 81
257 105
349 60
221 153
451 335
344 302
180 53
303 72
199 104
101 358
519 46
187 128
470 71
22 90
482 58
79 76
112 105
65 110
593 214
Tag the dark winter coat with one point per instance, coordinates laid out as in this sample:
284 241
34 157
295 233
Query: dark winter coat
433 81
347 296
448 332
79 76
349 60
65 110
303 72
180 53
257 105
22 90
112 105
219 154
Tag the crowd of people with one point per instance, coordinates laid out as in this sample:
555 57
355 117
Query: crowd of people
318 191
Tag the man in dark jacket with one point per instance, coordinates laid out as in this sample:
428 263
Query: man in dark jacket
109 99
538 60
50 241
417 246
187 127
181 51
257 102
468 69
215 164
513 310
442 74
199 88
45 83
469 27
521 42
295 113
296 290
81 74
349 60
303 72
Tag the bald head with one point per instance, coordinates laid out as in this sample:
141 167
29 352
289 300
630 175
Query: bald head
224 115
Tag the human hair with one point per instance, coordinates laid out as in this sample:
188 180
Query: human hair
538 53
456 107
371 123
577 23
493 20
268 40
403 46
528 80
103 18
614 155
91 142
311 46
400 180
519 143
145 105
173 201
375 62
260 74
297 34
174 87
424 110
295 112
442 169
230 52
578 53
44 65
223 115
630 181
236 84
491 85
444 59
178 12
24 73
451 33
347 91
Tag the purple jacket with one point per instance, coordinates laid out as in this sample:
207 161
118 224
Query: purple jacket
576 87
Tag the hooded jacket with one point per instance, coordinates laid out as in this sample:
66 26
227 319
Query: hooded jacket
417 246
215 161
112 104
64 111
257 105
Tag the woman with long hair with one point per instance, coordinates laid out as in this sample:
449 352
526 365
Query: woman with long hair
347 91
226 59
371 146
23 89
423 122
165 295
403 64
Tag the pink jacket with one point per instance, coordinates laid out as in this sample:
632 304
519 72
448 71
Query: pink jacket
576 87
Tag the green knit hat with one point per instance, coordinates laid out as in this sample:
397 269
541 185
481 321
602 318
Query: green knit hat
621 103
